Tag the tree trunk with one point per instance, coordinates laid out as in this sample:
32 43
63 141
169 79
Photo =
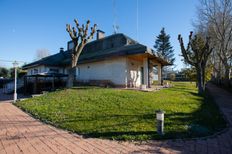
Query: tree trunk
200 82
227 77
71 76
203 77
72 71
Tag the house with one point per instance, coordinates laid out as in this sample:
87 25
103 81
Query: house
115 58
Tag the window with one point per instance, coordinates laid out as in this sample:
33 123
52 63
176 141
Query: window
53 70
70 45
35 71
77 71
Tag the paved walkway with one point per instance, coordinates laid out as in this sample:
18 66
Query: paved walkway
20 133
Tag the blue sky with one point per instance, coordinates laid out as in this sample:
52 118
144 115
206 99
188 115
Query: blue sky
28 25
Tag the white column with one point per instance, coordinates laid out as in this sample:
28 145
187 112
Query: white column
126 73
159 74
145 67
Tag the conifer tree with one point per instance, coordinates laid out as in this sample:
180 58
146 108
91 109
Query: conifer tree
163 46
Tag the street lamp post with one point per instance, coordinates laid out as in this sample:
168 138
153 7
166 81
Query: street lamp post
15 64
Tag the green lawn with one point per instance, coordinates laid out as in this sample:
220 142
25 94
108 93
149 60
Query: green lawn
127 114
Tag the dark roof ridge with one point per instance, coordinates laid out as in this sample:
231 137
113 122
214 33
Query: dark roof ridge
43 59
109 36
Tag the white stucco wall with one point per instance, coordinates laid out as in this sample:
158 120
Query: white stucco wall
134 73
112 69
121 71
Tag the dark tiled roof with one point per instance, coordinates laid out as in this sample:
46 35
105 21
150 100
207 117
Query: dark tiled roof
110 46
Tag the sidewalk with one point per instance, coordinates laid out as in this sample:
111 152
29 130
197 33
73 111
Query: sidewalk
20 133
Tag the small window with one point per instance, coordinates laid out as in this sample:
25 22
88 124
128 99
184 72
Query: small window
35 71
77 71
53 70
70 45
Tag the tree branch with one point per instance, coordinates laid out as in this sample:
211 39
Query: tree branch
184 51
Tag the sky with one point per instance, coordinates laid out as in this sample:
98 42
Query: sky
29 25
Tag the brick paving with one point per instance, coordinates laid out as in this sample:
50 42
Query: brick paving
20 133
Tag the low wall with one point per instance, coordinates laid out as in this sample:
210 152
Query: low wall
100 83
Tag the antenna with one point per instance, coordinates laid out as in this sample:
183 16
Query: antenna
137 20
115 26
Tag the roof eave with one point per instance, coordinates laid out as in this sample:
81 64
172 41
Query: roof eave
161 60
30 66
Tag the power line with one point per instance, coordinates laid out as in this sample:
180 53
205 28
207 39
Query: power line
11 61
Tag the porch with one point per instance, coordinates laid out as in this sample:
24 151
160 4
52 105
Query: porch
37 83
140 70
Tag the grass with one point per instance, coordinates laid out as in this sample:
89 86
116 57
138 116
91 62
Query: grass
127 114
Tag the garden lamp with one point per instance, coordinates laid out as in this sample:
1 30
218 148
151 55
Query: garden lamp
160 122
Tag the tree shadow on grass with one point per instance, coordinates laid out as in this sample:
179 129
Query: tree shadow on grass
183 90
203 122
120 135
86 87
138 134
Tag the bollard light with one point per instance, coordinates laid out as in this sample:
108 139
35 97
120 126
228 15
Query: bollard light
160 122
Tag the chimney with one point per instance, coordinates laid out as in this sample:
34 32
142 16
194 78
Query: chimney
100 34
61 50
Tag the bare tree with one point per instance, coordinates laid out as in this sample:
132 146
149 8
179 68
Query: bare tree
215 18
80 38
41 53
196 54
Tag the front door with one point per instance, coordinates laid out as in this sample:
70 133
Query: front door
142 75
